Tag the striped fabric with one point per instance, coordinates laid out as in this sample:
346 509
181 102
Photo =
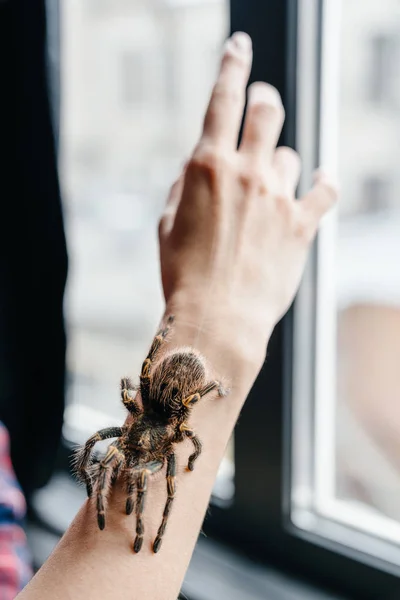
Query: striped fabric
15 568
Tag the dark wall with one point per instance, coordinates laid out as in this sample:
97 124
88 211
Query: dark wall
33 258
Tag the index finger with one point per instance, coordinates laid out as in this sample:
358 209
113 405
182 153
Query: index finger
225 110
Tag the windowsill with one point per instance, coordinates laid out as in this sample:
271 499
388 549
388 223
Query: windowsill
218 573
215 572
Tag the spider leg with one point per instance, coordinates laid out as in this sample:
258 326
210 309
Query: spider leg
167 509
84 454
188 402
141 495
141 484
126 395
108 467
130 490
209 387
196 443
146 367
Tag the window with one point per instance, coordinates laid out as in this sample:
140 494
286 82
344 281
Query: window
318 488
123 139
345 484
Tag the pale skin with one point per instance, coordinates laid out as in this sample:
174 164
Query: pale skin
233 245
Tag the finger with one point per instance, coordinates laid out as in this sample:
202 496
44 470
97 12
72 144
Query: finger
287 165
263 122
320 198
174 197
225 110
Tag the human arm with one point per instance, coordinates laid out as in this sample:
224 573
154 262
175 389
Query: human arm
233 246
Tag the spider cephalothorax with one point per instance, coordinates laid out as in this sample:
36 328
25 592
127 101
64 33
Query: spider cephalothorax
168 389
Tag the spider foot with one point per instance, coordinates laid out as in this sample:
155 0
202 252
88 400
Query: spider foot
222 391
157 544
129 506
137 546
101 521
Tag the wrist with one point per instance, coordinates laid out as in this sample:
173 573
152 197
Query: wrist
233 343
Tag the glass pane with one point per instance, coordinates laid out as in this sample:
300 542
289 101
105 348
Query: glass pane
368 273
136 79
347 446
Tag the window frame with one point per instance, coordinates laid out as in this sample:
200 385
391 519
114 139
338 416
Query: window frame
258 521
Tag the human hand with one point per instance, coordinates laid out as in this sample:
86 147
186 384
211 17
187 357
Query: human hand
233 240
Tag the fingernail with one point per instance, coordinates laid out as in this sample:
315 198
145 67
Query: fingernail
263 93
242 41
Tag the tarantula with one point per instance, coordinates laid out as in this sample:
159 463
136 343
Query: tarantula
168 391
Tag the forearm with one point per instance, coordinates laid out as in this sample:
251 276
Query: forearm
92 563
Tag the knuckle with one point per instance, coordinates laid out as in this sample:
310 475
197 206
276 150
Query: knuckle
283 201
303 229
252 179
223 94
207 161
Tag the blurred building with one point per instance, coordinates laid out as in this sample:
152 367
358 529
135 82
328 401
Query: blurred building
136 76
368 251
369 107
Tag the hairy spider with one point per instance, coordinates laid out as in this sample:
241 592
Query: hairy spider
168 391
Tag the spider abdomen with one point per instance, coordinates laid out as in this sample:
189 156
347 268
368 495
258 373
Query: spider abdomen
174 378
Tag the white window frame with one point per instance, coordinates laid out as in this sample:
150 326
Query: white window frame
314 507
